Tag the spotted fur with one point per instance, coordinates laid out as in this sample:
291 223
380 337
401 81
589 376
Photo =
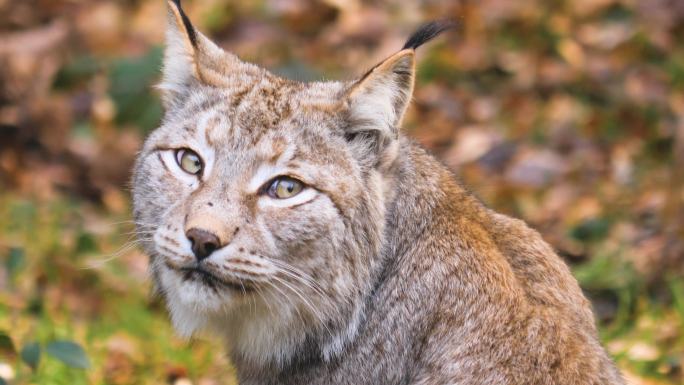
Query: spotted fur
382 270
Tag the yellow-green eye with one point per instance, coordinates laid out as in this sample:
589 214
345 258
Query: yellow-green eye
284 187
189 161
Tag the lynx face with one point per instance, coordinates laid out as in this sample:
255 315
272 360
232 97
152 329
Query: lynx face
278 195
261 200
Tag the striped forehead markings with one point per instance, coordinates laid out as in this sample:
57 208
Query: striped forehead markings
239 96
270 169
215 125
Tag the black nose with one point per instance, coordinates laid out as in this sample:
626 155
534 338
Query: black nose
203 242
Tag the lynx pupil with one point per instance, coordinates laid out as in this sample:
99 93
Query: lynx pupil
189 161
285 187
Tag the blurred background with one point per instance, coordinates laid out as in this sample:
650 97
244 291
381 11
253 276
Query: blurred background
569 114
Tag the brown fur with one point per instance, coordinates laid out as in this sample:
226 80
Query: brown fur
382 270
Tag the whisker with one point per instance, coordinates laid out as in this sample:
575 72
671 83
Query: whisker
289 301
313 309
298 275
99 262
263 297
131 222
138 232
297 278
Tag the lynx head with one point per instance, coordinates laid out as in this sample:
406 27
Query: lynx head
261 200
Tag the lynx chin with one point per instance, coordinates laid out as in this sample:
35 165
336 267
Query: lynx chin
298 224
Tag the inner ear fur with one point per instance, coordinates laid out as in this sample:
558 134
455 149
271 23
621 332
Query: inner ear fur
377 103
380 98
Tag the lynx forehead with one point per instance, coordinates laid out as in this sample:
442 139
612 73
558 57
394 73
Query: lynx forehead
297 223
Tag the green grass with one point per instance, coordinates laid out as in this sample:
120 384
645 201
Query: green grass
67 281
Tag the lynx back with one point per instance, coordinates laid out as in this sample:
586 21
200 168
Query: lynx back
297 223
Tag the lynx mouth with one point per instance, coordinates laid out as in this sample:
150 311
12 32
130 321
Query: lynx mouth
198 274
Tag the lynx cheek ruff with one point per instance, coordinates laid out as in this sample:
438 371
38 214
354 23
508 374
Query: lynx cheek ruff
298 224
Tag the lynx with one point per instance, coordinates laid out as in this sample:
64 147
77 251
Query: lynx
296 223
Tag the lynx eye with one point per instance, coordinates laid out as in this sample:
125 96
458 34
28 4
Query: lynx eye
189 161
284 187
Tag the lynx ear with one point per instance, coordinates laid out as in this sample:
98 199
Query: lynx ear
376 105
191 58
378 101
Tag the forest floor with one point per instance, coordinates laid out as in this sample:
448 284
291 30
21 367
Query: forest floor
568 114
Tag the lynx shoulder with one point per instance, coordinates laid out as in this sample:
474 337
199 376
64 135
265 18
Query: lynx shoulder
297 223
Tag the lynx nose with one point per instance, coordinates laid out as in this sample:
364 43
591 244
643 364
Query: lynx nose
203 242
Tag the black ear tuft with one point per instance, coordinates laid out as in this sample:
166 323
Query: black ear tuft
427 32
186 22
